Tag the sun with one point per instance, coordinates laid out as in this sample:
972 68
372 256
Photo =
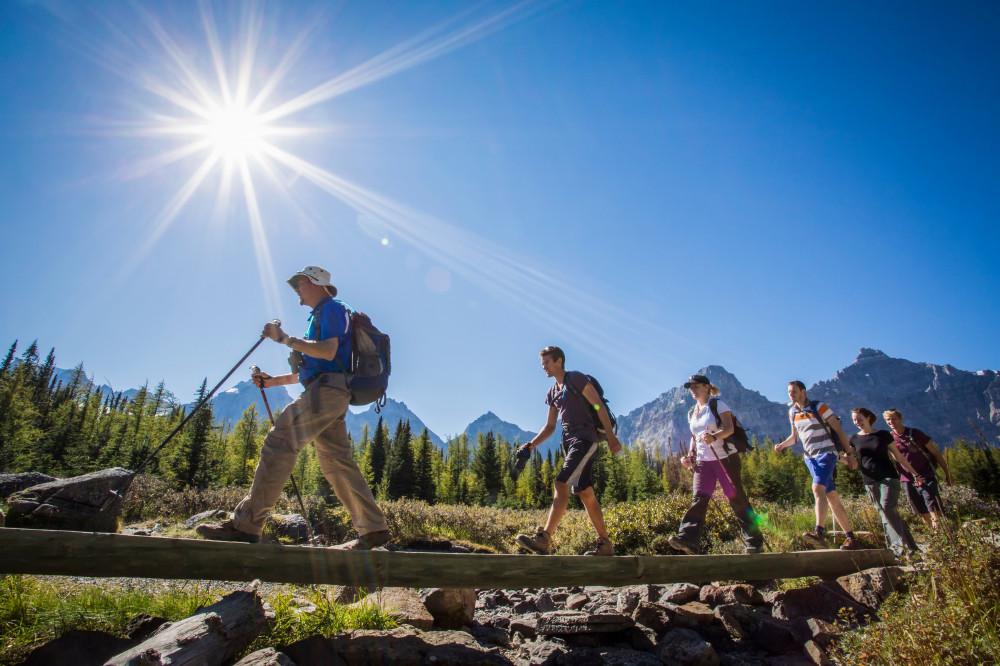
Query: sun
235 132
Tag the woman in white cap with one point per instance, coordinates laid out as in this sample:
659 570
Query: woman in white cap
714 462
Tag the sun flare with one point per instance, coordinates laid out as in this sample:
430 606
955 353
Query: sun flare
235 132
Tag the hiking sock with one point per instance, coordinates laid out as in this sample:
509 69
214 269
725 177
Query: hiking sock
849 535
820 530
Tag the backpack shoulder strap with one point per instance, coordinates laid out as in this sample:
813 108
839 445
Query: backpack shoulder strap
568 383
713 404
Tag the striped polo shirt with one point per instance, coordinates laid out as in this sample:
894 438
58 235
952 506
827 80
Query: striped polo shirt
815 438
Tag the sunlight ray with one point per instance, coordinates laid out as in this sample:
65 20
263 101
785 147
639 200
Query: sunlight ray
169 213
212 37
493 267
189 78
147 166
262 251
417 50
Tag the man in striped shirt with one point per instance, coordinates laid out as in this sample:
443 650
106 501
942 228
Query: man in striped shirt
814 424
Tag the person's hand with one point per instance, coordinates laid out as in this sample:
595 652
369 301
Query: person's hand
781 447
918 481
852 462
686 461
704 438
613 444
273 331
260 379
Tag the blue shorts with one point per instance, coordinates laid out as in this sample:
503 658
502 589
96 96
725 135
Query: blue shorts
578 467
824 469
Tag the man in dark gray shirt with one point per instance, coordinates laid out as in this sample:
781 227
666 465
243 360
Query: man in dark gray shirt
572 399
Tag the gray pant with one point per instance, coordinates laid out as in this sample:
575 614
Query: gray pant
885 495
317 415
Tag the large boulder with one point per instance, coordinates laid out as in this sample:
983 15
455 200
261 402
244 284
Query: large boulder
402 602
77 503
406 646
12 483
823 600
574 622
79 648
683 647
874 586
451 608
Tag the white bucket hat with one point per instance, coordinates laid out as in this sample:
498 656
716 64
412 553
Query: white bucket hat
316 275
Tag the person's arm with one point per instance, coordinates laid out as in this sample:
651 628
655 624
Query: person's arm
264 380
903 462
941 461
727 429
590 394
790 441
849 458
324 349
550 427
688 460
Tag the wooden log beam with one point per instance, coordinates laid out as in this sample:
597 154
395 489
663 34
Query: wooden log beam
24 551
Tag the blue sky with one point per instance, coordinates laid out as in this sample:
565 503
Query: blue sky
653 187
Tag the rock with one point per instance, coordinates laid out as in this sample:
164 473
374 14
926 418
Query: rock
816 654
451 608
697 611
774 635
266 657
526 606
403 646
628 600
546 653
874 586
822 600
291 526
485 633
348 594
142 626
711 595
822 632
72 504
734 620
574 622
741 594
12 483
544 603
683 647
402 602
653 616
576 601
623 657
79 648
680 593
209 516
526 626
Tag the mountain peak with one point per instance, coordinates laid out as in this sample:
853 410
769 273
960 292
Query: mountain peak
867 353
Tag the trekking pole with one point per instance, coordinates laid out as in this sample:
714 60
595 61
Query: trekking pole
255 369
118 495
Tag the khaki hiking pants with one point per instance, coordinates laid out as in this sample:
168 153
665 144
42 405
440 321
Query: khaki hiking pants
317 415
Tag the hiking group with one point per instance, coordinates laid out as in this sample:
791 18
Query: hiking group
338 367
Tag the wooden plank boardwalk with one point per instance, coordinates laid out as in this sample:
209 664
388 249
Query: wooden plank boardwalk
28 551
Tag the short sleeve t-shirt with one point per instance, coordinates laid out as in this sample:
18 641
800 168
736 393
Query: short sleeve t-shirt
327 320
574 412
873 456
702 420
815 438
913 446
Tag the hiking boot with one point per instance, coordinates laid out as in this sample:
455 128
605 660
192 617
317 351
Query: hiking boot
225 531
367 541
814 539
541 543
751 550
602 547
678 543
851 543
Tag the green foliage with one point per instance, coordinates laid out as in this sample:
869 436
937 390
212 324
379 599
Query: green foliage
951 613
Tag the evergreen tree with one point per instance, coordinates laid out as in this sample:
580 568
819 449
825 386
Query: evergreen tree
189 461
423 467
379 452
399 471
7 360
486 467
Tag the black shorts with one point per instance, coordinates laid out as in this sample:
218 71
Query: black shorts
924 498
578 467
